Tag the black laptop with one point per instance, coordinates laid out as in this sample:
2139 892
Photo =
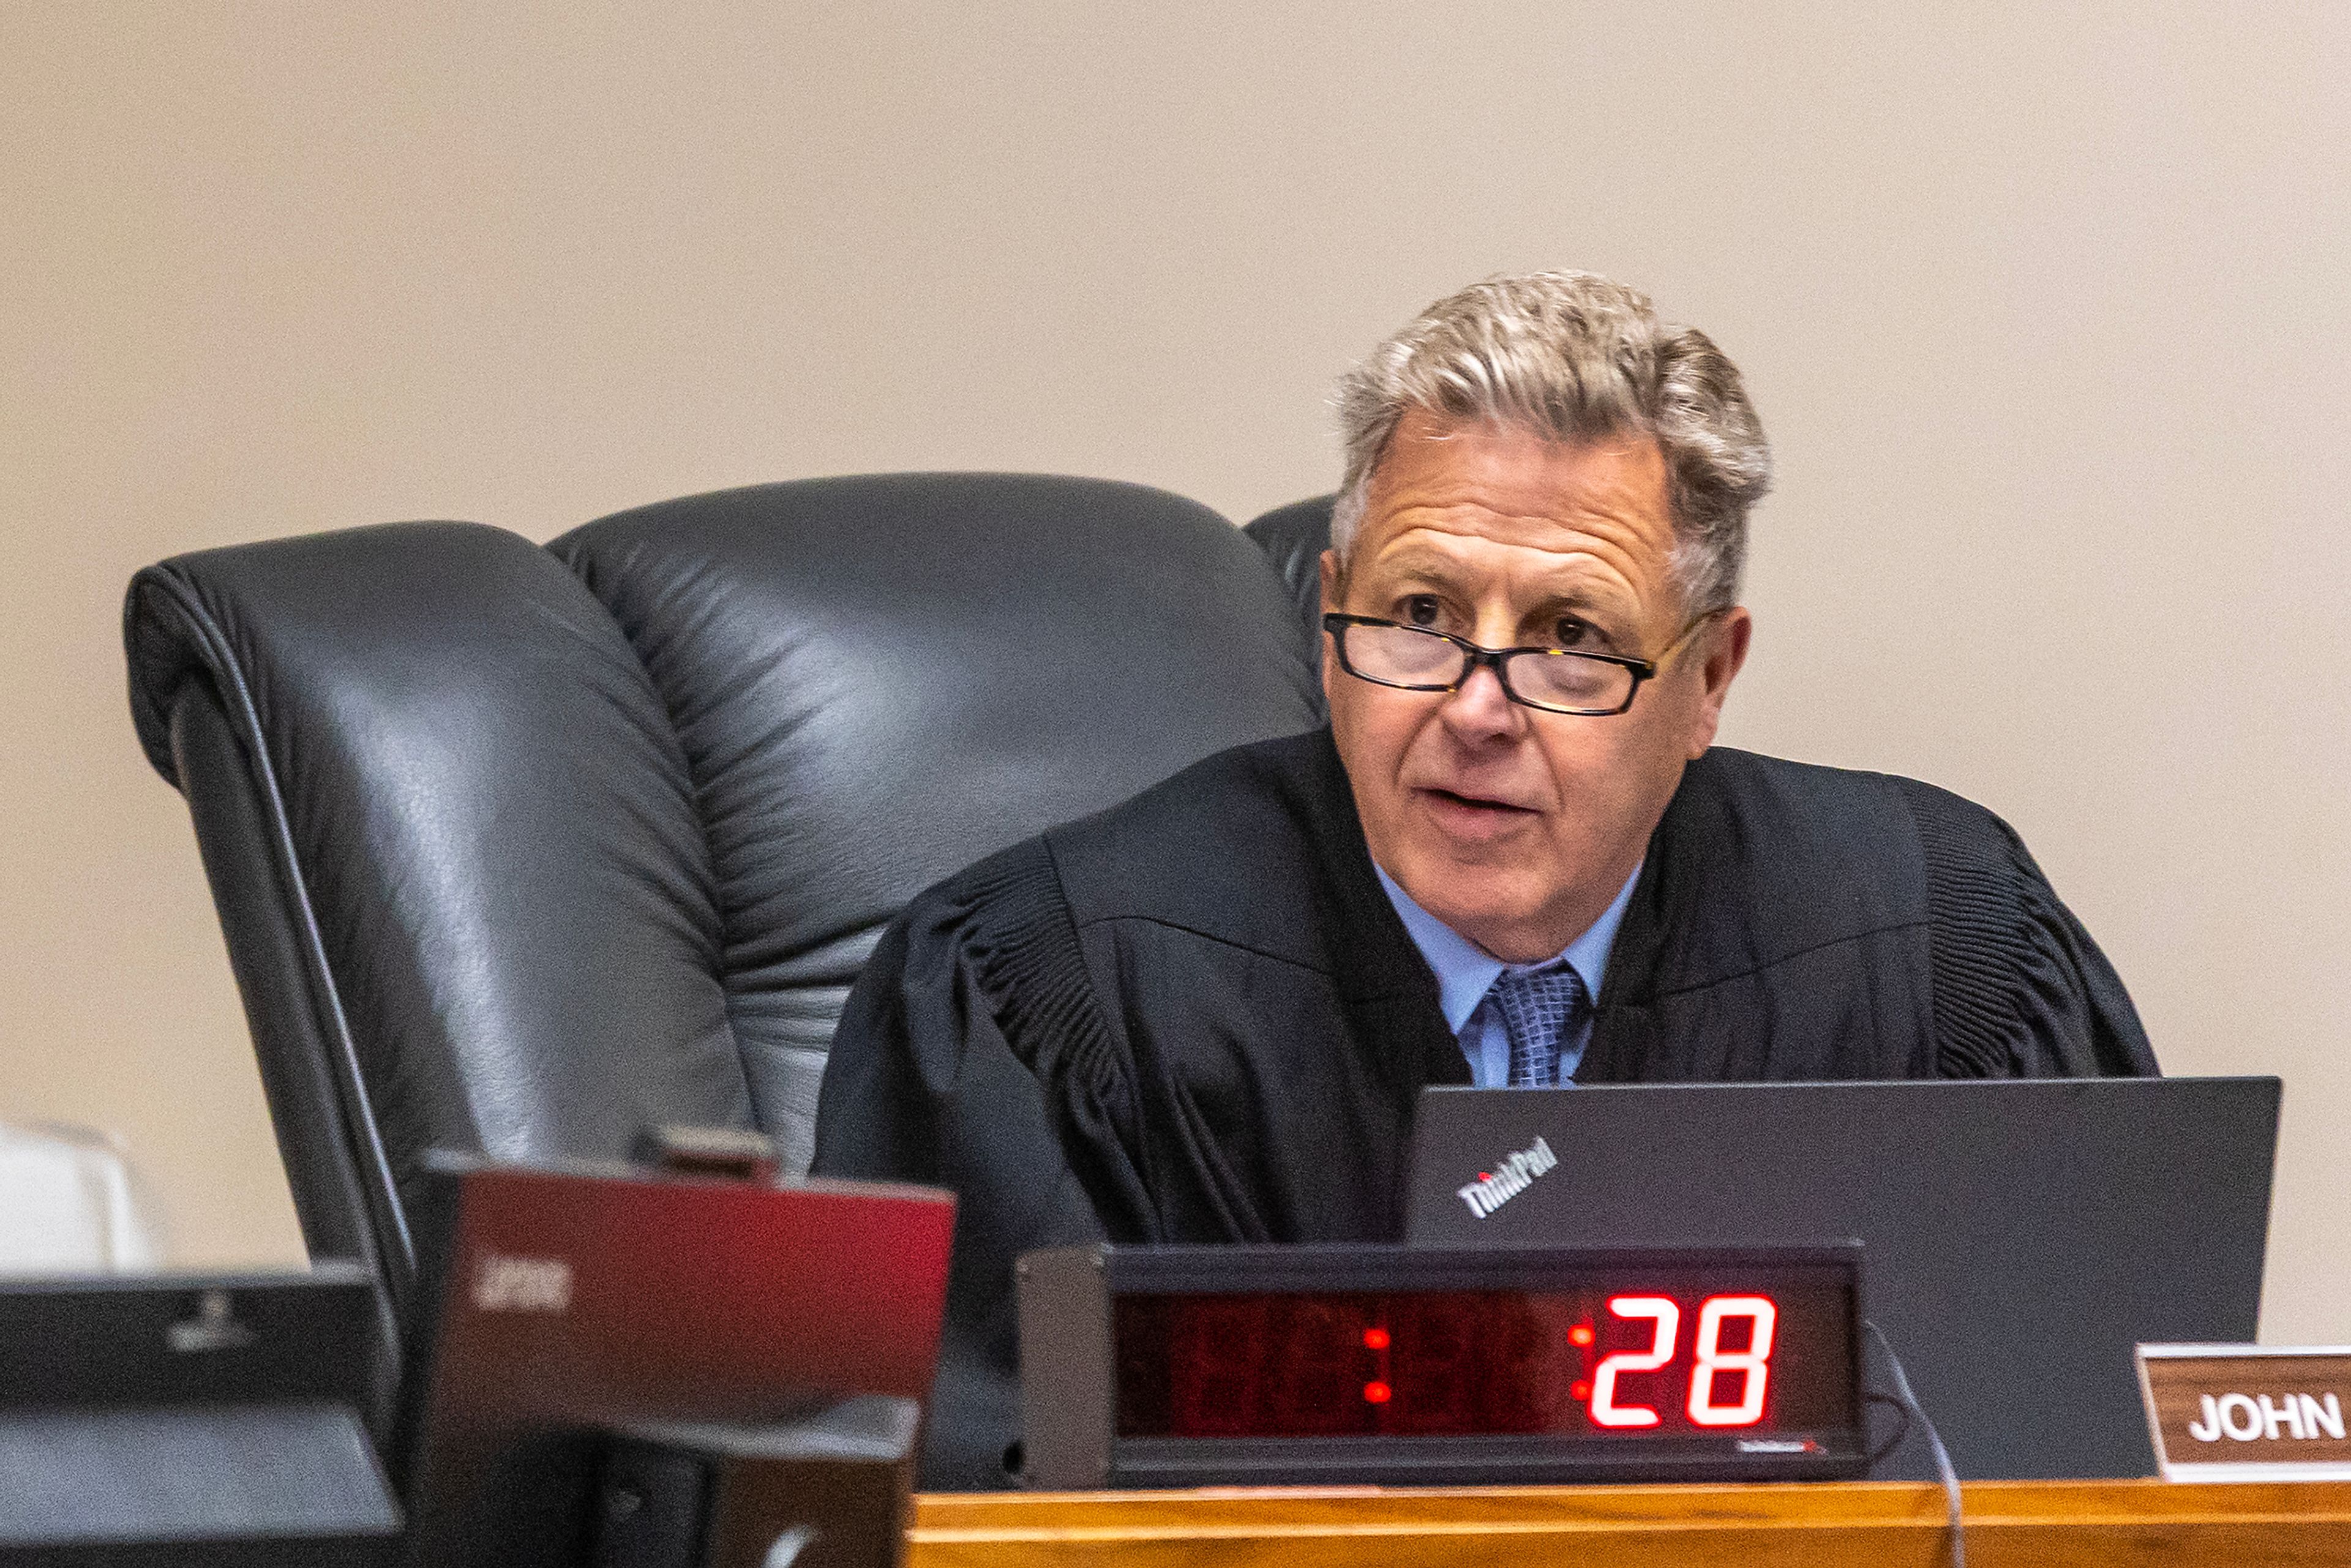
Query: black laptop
2020 1237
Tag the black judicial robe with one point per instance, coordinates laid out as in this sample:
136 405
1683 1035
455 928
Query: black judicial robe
1195 1016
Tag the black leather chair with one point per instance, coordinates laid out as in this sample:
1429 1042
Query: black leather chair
518 850
1294 537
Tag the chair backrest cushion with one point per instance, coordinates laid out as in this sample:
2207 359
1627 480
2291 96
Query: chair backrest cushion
874 680
483 828
1294 537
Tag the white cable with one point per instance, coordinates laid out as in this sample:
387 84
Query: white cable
1934 1442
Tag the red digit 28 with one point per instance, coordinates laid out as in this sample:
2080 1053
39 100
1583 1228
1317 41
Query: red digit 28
1752 1365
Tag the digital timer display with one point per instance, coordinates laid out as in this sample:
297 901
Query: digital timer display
1158 1366
1659 1359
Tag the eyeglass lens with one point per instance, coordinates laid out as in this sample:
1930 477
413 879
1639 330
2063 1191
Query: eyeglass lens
1409 656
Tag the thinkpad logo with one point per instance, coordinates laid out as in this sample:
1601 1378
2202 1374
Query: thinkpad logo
1513 1177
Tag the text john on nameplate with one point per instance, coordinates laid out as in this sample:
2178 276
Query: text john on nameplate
2243 1411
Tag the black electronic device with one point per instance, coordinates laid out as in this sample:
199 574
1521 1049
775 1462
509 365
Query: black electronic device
1179 1367
194 1419
828 1491
2023 1234
628 1369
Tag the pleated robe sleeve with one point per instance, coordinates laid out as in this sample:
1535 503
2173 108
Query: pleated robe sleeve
971 1055
2021 990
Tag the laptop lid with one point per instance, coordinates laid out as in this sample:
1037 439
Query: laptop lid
2020 1236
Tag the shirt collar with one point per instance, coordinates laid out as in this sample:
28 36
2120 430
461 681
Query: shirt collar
1466 972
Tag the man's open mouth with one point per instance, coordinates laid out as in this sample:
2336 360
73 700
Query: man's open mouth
1476 802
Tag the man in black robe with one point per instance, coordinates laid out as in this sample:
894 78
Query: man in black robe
1514 857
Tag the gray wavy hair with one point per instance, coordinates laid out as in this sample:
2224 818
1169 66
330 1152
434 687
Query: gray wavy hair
1573 357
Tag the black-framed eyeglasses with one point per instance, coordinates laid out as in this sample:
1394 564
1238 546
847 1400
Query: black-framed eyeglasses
1553 680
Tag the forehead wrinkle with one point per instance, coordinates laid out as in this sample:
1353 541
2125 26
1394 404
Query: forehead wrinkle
1465 504
1478 480
1596 517
1577 569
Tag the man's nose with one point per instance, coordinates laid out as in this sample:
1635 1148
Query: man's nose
1479 709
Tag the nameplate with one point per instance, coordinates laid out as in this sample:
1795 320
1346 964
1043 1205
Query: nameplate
2249 1413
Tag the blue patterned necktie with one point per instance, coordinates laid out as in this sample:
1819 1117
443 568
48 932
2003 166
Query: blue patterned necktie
1542 1009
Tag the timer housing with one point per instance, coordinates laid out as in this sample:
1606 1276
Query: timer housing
1182 1366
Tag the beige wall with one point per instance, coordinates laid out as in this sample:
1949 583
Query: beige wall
2045 306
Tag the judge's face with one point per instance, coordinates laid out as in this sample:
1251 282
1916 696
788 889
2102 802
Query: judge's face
1516 827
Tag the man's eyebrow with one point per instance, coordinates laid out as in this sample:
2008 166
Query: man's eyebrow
1600 613
1422 564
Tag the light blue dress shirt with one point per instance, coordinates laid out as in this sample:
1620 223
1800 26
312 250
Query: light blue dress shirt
1466 972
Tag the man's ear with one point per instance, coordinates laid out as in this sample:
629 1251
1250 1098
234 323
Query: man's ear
1334 594
1726 655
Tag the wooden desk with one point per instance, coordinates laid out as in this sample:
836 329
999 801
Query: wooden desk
1859 1524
